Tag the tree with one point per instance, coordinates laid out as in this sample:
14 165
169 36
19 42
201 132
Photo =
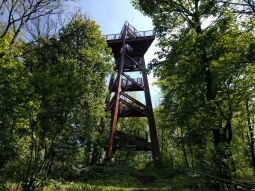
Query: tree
21 12
50 125
250 125
68 79
203 56
14 97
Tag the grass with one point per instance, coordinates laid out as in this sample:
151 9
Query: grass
119 177
122 178
178 184
77 186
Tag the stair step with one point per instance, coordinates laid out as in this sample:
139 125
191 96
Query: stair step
144 179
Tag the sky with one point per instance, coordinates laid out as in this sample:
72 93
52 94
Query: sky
110 15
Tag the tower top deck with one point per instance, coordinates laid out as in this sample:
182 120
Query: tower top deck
140 41
134 33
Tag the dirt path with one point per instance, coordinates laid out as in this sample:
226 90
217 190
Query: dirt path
148 189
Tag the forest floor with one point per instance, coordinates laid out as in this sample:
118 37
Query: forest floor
125 178
92 186
128 178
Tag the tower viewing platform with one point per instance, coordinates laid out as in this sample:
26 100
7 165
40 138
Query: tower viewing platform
139 40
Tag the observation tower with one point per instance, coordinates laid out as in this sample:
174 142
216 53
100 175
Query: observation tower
129 47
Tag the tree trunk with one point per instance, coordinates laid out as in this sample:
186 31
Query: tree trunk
222 136
251 141
185 156
96 154
192 157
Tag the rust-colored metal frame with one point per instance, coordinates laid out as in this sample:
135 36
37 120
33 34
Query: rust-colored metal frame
114 113
154 144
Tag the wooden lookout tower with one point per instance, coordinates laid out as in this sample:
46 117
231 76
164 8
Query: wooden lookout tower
128 49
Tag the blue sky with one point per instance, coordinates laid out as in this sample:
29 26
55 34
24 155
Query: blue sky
110 15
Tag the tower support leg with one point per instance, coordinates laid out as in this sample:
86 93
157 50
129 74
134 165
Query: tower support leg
114 114
151 119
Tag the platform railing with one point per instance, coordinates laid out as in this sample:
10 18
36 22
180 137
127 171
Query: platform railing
127 82
139 34
130 27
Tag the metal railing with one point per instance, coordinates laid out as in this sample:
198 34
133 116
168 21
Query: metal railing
129 26
127 82
139 34
129 102
132 31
